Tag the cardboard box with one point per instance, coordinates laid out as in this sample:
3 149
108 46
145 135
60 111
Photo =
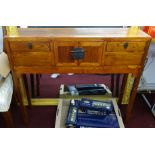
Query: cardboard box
65 94
62 111
4 65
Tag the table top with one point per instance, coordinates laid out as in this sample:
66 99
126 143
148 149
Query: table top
79 33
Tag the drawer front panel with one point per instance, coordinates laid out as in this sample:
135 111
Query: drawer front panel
125 46
92 53
63 54
30 46
33 59
122 59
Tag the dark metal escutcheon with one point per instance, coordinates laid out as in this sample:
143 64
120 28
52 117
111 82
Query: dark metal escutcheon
78 53
125 45
29 45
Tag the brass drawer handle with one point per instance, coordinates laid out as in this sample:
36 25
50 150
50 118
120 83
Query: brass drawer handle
125 45
29 45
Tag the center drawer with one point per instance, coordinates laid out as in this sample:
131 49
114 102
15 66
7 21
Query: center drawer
90 53
125 46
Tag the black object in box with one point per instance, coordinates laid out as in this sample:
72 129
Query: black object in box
64 93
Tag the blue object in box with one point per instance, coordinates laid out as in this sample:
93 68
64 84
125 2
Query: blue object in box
104 121
91 117
72 114
103 106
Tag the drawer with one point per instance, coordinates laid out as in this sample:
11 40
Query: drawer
125 46
30 46
63 54
113 59
33 59
92 53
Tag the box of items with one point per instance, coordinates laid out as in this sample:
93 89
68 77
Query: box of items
63 109
65 93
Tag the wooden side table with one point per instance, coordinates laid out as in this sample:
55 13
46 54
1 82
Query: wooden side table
77 50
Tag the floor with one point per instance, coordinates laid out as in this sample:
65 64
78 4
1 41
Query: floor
44 116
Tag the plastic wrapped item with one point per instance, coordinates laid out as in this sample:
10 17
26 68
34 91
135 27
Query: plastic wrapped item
98 93
73 90
6 91
91 113
63 109
87 89
72 114
95 121
104 106
4 65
